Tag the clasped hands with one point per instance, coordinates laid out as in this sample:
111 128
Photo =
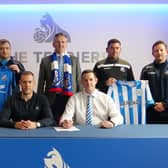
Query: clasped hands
25 124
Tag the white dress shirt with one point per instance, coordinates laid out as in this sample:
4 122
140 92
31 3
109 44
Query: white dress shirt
103 108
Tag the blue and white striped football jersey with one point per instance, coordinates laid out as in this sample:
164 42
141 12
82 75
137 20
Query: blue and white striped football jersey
132 98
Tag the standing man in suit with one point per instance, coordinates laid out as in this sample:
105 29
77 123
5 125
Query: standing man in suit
59 76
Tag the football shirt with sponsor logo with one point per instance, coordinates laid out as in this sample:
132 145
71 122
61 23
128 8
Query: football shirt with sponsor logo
132 99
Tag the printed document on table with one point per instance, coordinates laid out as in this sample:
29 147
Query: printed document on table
59 129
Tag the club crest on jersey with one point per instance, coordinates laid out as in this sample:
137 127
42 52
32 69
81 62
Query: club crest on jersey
37 108
122 69
139 92
4 77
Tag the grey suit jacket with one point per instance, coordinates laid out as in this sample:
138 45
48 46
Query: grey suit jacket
45 78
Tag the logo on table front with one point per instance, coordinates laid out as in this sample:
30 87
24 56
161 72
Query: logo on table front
48 28
54 160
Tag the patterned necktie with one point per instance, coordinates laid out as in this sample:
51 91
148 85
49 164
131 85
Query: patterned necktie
89 111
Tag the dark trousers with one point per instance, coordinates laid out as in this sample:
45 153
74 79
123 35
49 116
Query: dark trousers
58 107
154 117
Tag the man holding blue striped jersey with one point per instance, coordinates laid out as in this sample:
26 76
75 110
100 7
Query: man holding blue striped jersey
112 68
132 99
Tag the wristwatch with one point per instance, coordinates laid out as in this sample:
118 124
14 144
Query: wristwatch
112 123
38 124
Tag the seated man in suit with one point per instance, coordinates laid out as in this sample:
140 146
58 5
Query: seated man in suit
101 111
27 109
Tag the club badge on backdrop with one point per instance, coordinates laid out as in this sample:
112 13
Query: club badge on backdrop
48 28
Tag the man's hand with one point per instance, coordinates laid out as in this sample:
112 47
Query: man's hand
110 81
14 68
159 106
25 124
67 124
106 124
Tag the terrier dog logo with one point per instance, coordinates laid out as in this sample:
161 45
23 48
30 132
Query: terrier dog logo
54 160
48 28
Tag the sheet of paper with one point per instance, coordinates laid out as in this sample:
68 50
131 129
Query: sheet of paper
63 129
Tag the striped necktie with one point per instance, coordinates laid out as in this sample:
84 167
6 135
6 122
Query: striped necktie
61 69
89 111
